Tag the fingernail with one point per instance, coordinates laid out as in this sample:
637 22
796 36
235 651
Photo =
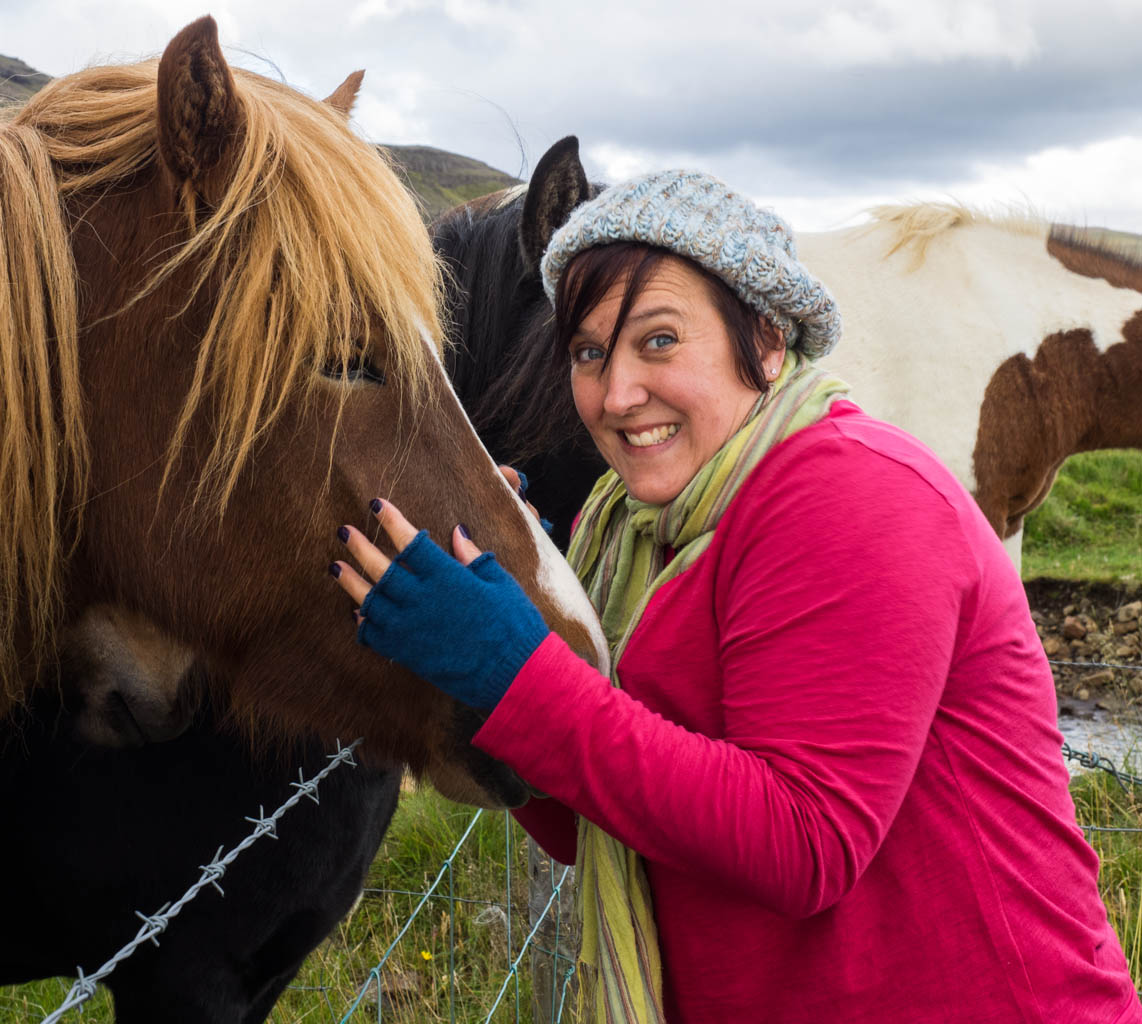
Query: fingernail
464 531
376 505
343 534
334 570
522 489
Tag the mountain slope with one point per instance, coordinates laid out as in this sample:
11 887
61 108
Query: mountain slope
18 81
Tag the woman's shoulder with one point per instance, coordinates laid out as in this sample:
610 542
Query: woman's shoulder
848 450
849 478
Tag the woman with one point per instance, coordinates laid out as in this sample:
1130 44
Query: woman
825 784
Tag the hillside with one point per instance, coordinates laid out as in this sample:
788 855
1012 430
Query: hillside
18 81
439 178
442 180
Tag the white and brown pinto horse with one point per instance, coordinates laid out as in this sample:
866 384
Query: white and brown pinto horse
1004 345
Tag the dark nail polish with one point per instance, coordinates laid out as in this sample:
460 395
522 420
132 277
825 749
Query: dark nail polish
343 534
376 505
464 532
522 489
334 570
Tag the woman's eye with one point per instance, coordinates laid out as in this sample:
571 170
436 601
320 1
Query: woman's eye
660 342
588 354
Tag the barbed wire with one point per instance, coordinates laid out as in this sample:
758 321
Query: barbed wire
1094 664
155 924
1086 759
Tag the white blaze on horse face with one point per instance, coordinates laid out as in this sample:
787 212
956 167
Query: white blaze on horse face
921 342
553 576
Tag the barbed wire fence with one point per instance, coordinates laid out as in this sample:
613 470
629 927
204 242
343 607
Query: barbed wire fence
546 917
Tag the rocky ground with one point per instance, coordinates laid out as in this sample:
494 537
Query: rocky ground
1081 624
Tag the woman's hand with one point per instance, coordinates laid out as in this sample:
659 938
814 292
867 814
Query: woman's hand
518 479
464 625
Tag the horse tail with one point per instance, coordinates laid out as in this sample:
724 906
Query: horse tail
43 446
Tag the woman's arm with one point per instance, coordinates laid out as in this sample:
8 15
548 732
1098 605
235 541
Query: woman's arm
551 824
838 621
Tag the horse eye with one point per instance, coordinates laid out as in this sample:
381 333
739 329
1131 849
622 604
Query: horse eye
359 368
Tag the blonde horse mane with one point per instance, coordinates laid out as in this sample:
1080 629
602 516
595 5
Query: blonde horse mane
311 246
915 225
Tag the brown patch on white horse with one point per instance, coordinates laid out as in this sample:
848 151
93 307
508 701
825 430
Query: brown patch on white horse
1068 398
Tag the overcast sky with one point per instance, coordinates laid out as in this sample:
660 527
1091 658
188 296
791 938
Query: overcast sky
819 108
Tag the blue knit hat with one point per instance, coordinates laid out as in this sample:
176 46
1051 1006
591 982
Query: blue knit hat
699 217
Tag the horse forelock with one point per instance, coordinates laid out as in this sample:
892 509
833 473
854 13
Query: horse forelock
312 253
916 225
43 450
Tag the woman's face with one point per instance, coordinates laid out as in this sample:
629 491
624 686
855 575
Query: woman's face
670 395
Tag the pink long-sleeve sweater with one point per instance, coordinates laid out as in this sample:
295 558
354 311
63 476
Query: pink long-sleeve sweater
835 747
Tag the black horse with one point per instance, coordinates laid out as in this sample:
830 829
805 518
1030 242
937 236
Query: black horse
120 830
129 830
514 384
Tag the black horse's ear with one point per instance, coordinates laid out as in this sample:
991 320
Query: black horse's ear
558 185
199 116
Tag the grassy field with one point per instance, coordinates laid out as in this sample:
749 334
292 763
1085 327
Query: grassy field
1090 526
1089 529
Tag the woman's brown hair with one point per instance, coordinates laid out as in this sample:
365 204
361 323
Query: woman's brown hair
595 271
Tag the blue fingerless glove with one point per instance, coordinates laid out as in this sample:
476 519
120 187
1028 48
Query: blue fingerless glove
466 629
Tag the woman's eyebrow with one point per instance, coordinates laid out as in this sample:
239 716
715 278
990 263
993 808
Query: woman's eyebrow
653 311
582 334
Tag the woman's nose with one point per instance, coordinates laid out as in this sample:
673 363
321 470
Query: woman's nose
625 388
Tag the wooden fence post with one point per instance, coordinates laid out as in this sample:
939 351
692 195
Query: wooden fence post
559 932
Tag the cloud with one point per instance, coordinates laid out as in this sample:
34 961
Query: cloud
822 100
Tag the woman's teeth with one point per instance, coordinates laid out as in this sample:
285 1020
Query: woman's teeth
651 437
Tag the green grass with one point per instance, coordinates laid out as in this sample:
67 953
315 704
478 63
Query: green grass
1090 526
424 832
1100 800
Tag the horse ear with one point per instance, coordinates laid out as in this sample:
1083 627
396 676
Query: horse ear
198 110
344 96
558 185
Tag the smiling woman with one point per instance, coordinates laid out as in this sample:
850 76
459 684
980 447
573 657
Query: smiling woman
830 721
664 365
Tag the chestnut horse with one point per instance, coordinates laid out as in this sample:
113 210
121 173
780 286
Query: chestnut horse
219 339
1005 346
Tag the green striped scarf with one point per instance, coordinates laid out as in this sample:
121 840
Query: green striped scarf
618 551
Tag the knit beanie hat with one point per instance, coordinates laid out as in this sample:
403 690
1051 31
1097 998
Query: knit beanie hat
699 217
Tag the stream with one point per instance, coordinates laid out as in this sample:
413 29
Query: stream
1104 733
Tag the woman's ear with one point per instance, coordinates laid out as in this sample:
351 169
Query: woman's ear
771 336
773 344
